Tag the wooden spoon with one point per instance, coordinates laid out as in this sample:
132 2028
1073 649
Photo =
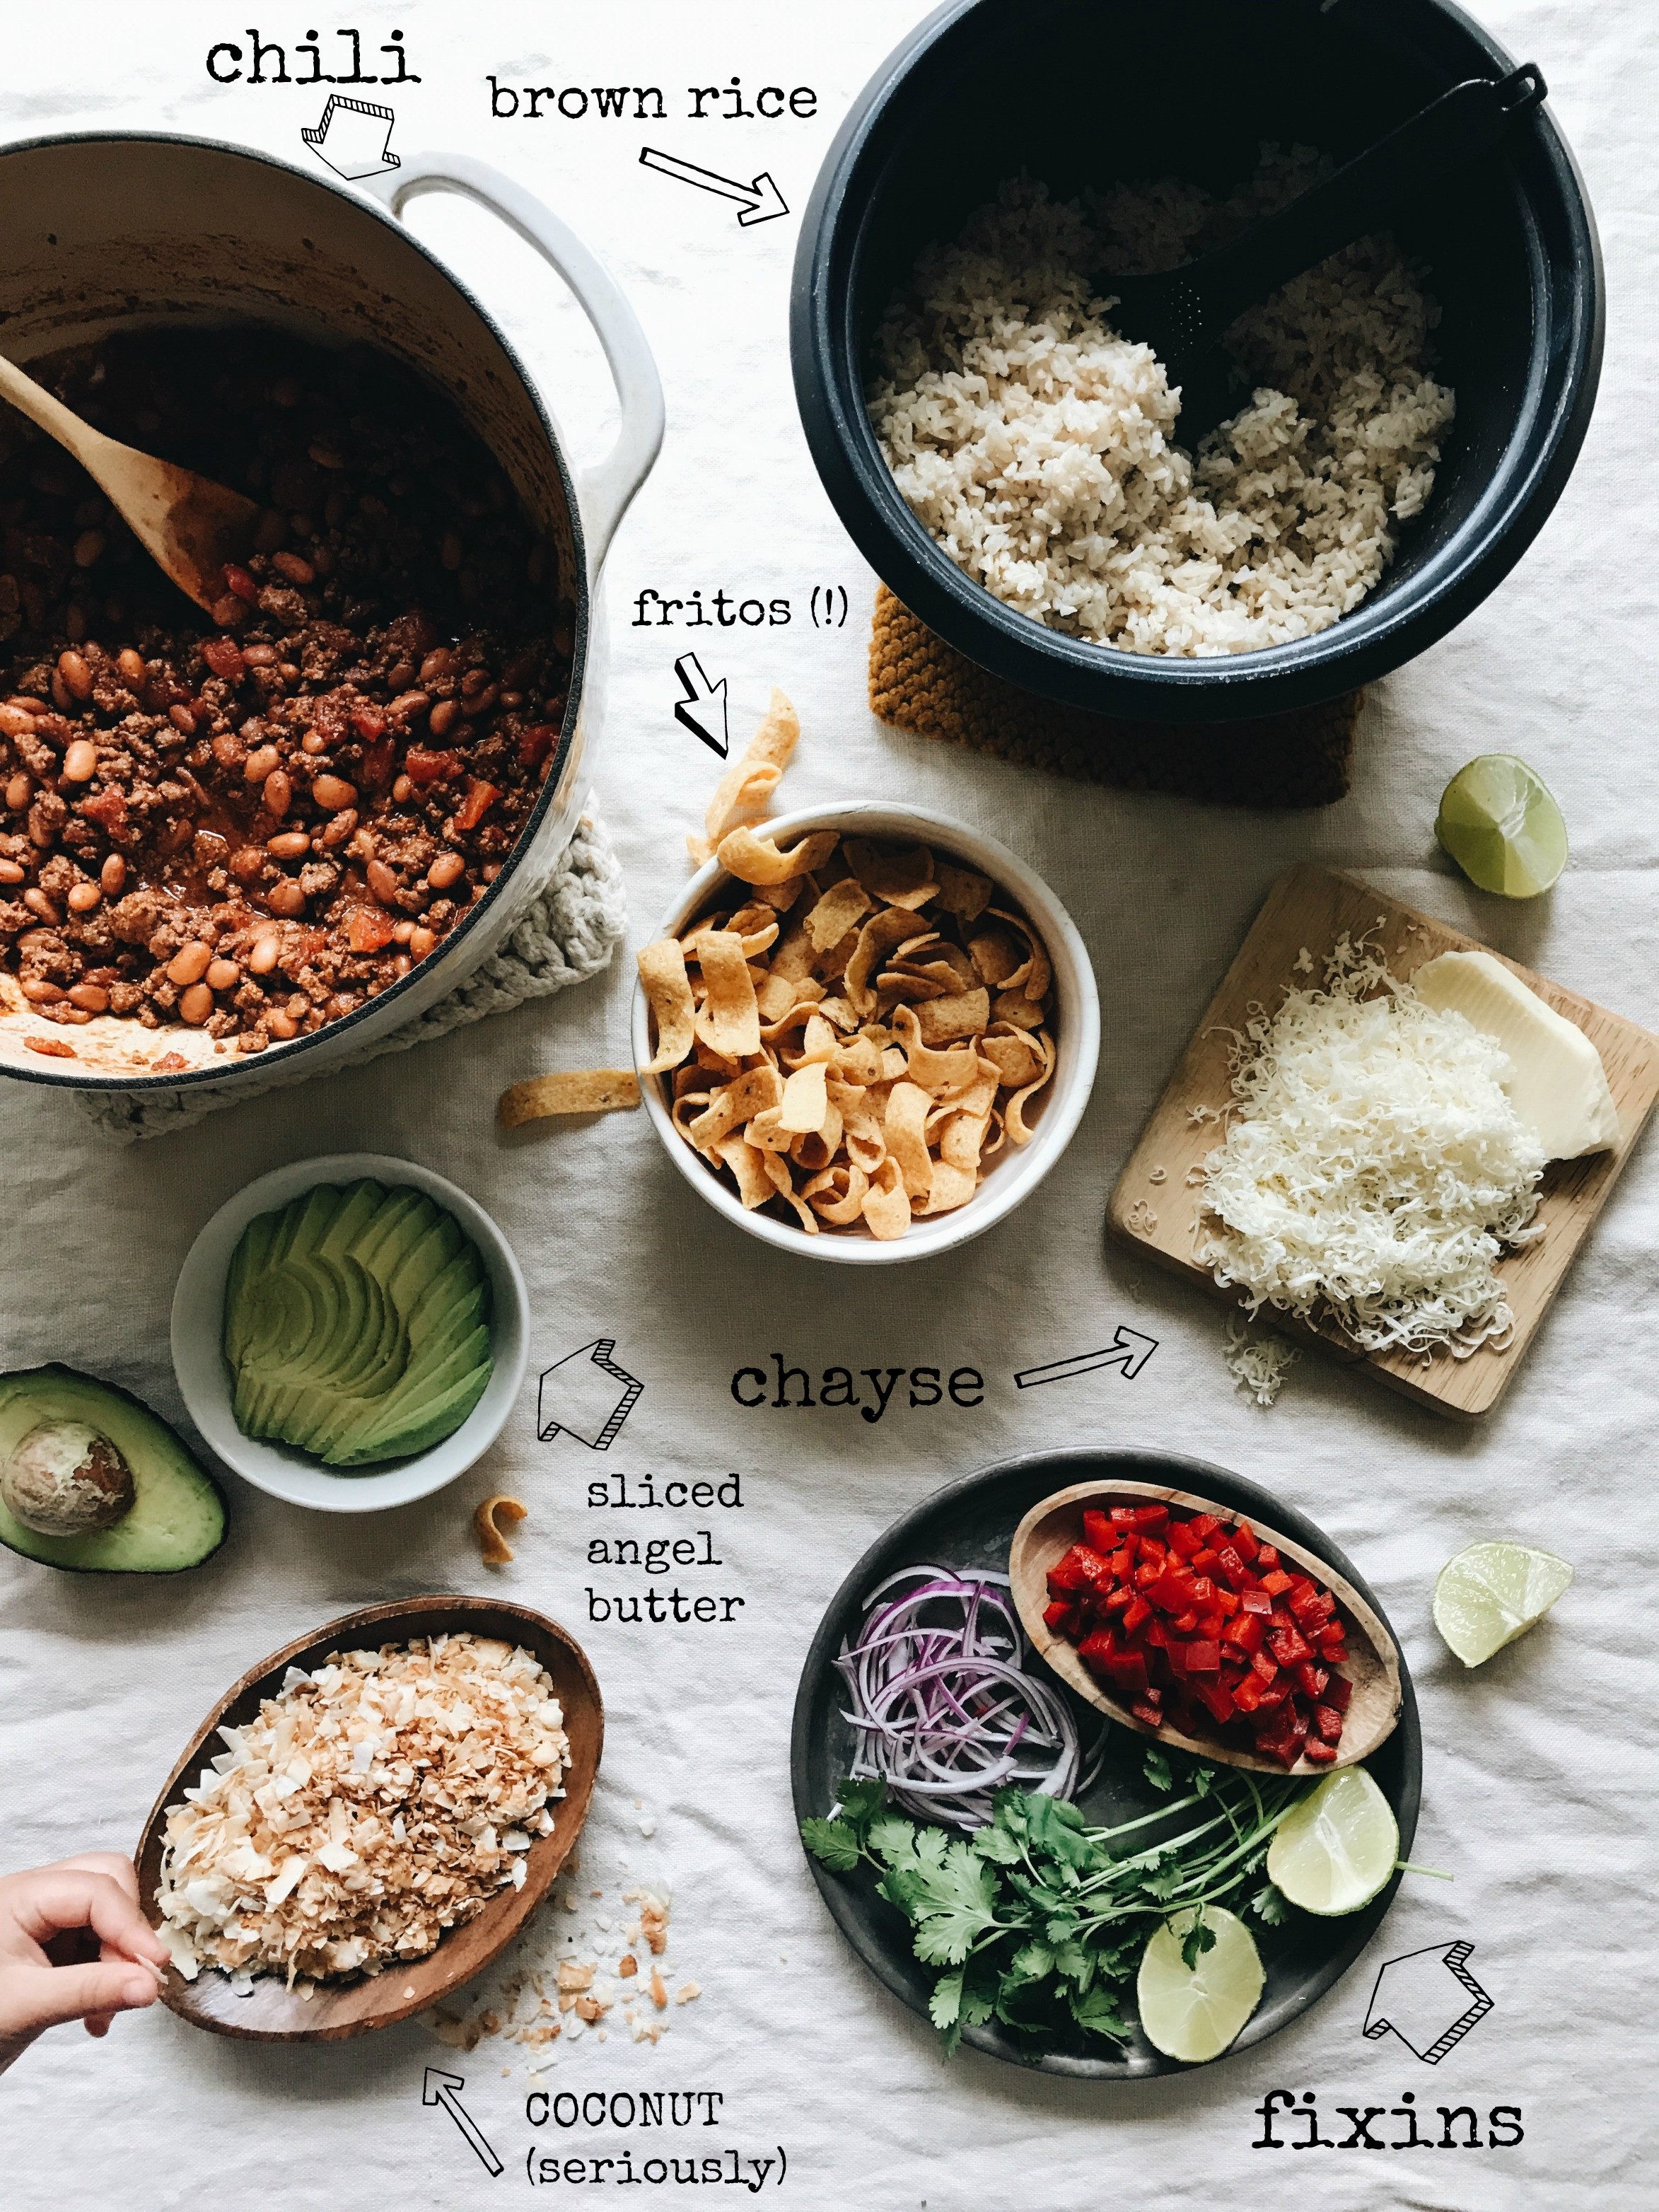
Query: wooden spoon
191 526
272 2014
1049 1530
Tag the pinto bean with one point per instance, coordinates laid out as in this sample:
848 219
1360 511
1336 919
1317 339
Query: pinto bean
266 952
132 665
382 882
81 761
260 764
91 998
333 792
76 675
278 793
195 1005
286 898
82 898
112 875
448 868
289 845
189 963
222 974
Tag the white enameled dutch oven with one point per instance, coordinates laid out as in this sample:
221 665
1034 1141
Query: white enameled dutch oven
139 230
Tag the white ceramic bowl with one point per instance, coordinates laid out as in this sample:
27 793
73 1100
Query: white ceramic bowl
1013 1175
198 1304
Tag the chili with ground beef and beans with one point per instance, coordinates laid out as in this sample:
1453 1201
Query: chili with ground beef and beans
253 823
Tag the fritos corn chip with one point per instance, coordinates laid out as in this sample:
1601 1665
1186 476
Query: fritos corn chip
858 1053
492 1545
572 1090
749 781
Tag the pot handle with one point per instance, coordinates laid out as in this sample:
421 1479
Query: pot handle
606 488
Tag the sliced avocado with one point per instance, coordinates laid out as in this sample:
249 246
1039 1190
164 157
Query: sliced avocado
355 1319
427 1425
177 1517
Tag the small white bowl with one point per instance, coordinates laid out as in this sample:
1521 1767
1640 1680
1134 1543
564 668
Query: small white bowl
1012 1176
198 1361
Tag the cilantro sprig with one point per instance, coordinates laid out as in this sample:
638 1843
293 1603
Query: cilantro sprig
1038 1920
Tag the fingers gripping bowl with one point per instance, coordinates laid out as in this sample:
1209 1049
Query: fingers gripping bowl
884 836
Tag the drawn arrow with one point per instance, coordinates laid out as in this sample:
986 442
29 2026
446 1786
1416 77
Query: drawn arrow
1429 1999
762 200
439 2089
354 137
1128 1350
708 698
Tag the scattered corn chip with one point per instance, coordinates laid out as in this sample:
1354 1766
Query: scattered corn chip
749 780
866 1106
494 1547
573 1090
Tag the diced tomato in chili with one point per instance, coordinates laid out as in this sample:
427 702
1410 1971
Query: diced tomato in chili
423 766
378 760
370 927
108 808
480 798
224 657
368 721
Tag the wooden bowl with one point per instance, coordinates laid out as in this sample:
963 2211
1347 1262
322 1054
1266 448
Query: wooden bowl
1051 1528
275 2014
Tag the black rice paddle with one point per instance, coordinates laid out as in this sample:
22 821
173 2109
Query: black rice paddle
1183 314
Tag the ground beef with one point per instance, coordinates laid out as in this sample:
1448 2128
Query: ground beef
253 823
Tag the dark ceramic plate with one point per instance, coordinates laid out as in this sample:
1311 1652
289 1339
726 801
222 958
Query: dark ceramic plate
971 1524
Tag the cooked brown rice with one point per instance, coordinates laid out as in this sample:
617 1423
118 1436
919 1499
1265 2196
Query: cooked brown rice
1039 448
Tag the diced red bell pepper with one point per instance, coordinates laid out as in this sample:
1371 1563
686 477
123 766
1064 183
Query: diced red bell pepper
1203 1591
1098 1531
1257 1601
1302 1585
1203 1655
1312 1679
1211 1624
1147 1573
1328 1722
1203 1560
1276 1583
1168 1592
1265 1665
1244 1543
1127 1673
423 766
1150 1518
1175 1656
1247 1693
1307 1610
1097 1652
1338 1691
1204 1525
1289 1646
1150 1714
1229 1562
1136 1614
1274 1693
1182 1539
1058 1617
1226 1603
1078 1569
1266 1560
1123 1560
1245 1631
1217 1699
1184 1623
1117 1600
1322 1753
370 927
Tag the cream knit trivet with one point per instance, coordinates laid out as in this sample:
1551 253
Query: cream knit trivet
568 935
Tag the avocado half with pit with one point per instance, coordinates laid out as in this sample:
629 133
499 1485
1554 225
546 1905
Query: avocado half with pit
91 1481
356 1324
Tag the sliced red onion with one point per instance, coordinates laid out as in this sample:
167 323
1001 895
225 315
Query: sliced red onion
949 1709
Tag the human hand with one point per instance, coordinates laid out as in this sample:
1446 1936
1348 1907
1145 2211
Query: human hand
73 1946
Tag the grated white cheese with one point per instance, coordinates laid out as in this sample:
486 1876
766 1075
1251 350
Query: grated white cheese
1258 1364
1374 1169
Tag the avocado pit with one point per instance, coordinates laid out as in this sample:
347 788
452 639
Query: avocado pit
66 1479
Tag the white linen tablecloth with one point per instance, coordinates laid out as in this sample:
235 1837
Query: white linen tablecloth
1540 1771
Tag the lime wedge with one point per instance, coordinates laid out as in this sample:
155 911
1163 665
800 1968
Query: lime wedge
1194 2013
1338 1847
1492 1592
1501 824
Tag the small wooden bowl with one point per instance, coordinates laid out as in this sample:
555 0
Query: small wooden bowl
1049 1530
275 2014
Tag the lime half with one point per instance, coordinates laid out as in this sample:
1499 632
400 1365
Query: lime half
1501 824
1492 1592
1338 1847
1194 2013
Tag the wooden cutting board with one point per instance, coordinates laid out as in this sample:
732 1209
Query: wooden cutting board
1153 1208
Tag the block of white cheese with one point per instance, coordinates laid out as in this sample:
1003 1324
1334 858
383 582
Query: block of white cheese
1559 1087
